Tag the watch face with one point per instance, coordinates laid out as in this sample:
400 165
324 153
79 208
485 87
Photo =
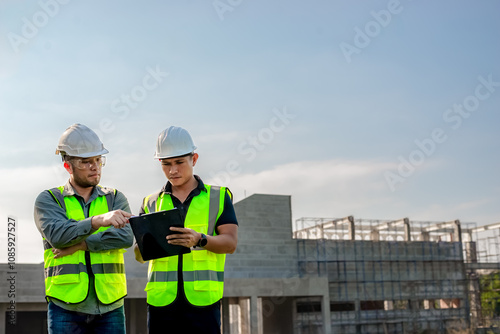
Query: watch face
203 241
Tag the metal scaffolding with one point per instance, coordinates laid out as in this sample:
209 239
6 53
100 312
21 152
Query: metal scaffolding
402 276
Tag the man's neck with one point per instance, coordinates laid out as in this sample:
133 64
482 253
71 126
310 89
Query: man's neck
183 191
85 192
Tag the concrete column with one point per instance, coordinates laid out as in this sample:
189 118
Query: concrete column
375 235
429 304
413 304
352 229
407 229
475 301
234 315
457 235
3 309
426 236
226 326
471 252
294 315
245 316
256 316
357 309
327 319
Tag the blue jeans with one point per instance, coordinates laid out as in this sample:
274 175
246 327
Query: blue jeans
63 321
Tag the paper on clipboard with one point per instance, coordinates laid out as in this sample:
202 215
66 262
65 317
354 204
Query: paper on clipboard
150 232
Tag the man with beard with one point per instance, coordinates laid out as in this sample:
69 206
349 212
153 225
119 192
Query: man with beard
85 230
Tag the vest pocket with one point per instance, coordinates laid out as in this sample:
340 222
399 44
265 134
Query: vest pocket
158 286
200 228
203 265
162 274
115 278
204 283
205 286
65 270
108 267
202 255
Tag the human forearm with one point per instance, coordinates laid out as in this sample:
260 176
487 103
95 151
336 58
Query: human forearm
119 234
118 215
111 238
60 252
63 238
223 243
116 218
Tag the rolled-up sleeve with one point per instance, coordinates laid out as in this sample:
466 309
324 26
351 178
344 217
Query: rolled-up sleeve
113 238
54 225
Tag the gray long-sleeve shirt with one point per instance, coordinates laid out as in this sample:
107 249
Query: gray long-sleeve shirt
61 232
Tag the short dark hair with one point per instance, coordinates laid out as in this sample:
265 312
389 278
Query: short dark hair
187 155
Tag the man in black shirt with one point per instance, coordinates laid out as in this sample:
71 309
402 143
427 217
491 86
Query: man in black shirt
184 292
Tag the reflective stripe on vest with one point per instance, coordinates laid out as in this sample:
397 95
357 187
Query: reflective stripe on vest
67 278
203 271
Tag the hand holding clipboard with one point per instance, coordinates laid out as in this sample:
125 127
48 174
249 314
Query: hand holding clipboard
151 230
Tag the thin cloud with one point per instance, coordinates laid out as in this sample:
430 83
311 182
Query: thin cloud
320 188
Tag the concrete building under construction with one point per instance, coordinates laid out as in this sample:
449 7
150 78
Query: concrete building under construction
319 275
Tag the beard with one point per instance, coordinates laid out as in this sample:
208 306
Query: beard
85 182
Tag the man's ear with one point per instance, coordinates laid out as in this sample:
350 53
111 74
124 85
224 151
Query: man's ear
67 166
195 158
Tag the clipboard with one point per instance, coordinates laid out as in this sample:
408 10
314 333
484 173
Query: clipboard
150 230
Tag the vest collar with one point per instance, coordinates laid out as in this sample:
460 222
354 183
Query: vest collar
167 189
70 191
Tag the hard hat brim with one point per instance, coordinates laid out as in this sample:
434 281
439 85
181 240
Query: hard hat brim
174 155
85 155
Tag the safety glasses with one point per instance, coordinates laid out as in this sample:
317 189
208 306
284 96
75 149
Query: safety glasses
87 163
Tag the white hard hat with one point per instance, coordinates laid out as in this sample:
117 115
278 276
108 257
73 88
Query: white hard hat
173 142
80 141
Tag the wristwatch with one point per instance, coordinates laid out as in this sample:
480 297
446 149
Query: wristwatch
203 241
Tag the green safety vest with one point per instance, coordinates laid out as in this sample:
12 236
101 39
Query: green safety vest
202 270
67 278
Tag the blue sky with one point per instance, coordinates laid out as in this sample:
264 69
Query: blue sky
352 108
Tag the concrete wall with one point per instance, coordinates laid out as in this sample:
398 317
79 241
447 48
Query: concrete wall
265 245
264 267
24 280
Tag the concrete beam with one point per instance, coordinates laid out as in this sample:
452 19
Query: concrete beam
482 266
276 287
485 228
323 226
440 226
391 224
